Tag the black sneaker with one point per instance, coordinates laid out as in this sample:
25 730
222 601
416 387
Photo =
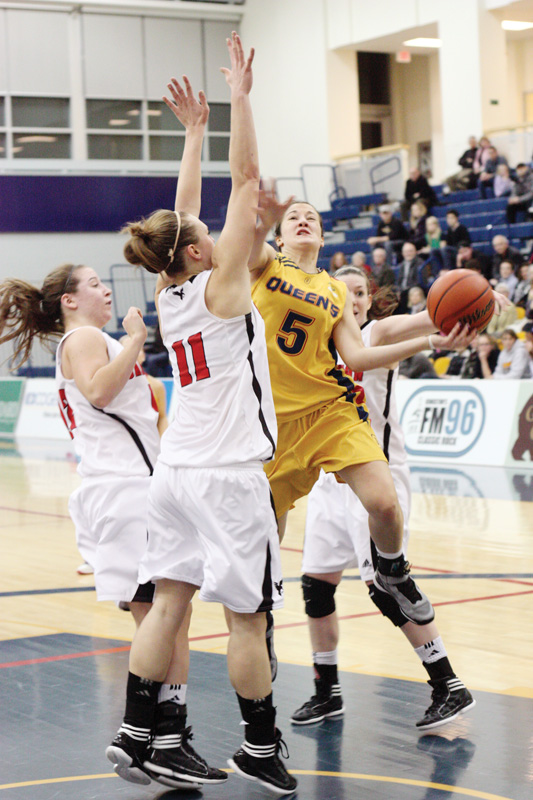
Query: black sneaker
321 705
448 699
171 757
127 754
270 646
268 771
412 601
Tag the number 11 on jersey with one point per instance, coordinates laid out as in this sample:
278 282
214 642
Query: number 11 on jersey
201 370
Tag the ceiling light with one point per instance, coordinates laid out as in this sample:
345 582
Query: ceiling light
33 139
118 122
423 42
134 112
154 112
515 25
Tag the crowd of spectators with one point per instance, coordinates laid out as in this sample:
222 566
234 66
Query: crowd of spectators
409 249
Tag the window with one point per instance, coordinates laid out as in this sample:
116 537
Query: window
114 114
40 112
39 145
115 147
40 127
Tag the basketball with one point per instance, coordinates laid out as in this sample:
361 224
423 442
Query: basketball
461 295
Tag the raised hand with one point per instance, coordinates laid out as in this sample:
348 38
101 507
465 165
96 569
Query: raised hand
190 111
239 77
133 324
270 210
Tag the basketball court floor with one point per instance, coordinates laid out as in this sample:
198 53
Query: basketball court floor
63 657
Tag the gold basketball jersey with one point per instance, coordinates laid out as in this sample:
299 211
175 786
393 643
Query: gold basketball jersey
300 311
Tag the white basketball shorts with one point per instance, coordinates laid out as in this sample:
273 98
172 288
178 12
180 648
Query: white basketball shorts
337 536
109 515
215 528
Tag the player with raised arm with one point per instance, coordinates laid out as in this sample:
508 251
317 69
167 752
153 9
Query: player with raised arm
211 522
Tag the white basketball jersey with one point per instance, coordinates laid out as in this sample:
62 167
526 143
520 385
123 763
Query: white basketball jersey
380 385
225 411
122 438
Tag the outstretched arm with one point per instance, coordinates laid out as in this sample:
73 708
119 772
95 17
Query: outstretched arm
349 343
193 115
228 289
408 326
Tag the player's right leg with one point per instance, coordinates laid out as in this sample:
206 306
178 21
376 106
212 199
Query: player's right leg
318 592
152 741
258 758
372 483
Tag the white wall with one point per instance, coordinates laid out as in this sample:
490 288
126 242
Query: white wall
290 89
31 256
411 101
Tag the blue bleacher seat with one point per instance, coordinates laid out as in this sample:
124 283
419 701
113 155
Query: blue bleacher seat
359 234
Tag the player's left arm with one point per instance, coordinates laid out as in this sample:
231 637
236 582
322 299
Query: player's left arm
408 326
193 114
349 343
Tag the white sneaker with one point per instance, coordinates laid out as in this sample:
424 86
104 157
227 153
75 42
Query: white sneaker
85 569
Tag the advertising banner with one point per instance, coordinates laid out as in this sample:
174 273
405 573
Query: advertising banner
10 401
469 422
39 416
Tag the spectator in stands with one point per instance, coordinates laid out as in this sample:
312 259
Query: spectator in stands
525 282
481 157
381 271
418 366
503 183
486 178
358 260
504 252
455 234
521 194
499 323
466 252
416 299
417 188
416 229
483 357
336 261
529 305
508 277
463 179
432 248
408 274
513 361
390 234
528 346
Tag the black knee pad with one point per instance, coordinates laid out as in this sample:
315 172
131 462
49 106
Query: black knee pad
319 597
388 606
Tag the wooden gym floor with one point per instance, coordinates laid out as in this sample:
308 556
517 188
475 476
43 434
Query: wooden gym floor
63 656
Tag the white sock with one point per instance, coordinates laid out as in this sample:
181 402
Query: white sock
328 657
175 692
431 651
390 556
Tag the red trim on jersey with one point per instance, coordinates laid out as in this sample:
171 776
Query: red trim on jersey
67 414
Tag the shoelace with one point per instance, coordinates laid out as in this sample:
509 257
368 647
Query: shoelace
409 590
281 745
401 568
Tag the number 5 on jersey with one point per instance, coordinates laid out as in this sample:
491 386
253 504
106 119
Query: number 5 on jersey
292 334
196 356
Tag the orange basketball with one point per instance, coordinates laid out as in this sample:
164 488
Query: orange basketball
461 295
